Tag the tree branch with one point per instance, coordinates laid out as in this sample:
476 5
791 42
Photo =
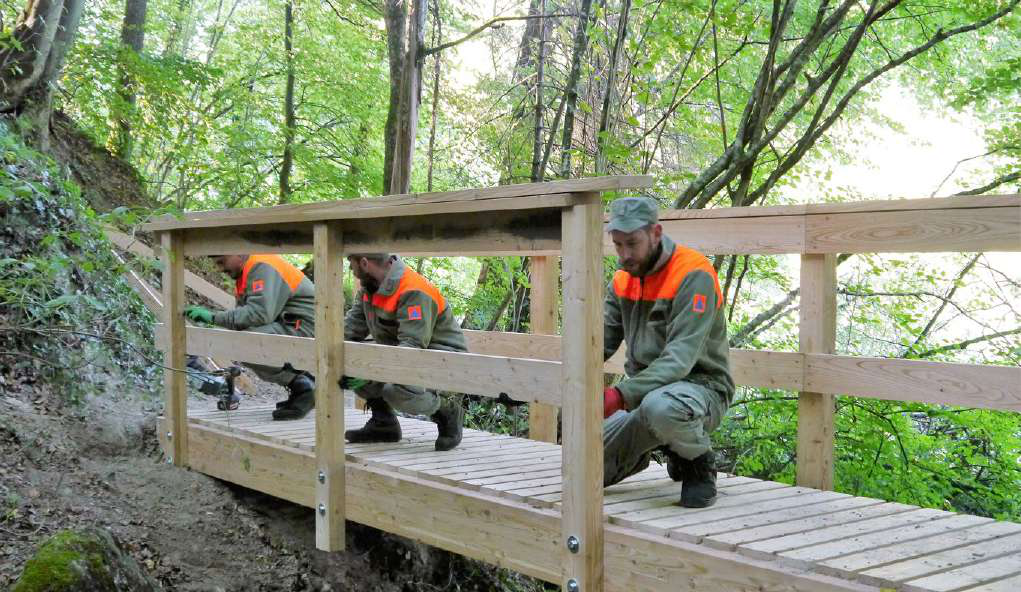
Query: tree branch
491 23
964 344
993 184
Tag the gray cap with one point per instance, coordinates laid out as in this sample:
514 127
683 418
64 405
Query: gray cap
628 214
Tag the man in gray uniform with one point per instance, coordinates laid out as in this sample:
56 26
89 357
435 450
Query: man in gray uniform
665 303
274 297
397 306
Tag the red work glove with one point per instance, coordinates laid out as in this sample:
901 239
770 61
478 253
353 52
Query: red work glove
613 401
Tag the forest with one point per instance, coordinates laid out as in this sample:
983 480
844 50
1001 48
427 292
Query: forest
116 112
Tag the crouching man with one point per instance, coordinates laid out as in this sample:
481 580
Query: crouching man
665 303
273 297
397 306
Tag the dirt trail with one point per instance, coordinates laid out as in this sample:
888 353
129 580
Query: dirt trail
99 465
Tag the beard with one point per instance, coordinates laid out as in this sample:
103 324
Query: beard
370 285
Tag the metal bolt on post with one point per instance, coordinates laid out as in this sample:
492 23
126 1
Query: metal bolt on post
573 544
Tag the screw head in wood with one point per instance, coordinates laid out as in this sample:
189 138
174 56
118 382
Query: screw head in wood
322 477
170 435
572 585
322 509
573 544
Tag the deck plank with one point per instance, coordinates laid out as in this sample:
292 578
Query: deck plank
969 575
932 562
769 547
907 550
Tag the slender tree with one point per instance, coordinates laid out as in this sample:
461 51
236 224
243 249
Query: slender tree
287 161
29 68
132 43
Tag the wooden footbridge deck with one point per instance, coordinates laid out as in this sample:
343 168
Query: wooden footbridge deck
514 502
497 498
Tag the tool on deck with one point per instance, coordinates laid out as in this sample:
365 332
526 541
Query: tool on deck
230 400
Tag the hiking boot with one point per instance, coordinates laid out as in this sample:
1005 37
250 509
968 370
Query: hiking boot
698 489
674 463
301 400
381 427
448 419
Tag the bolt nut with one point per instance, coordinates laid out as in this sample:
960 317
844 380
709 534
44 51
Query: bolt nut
322 477
322 509
572 585
573 544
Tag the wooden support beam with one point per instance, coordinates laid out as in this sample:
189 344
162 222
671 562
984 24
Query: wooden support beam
522 379
175 397
507 232
542 419
582 503
329 398
818 329
938 383
488 199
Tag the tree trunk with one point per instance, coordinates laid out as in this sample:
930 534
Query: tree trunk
44 33
605 115
406 126
396 25
537 173
133 40
437 39
571 93
288 159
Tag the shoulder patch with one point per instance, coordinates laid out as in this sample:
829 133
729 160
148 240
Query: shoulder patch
415 313
698 303
258 285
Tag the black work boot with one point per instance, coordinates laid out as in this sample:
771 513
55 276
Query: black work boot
301 400
674 463
381 427
448 418
698 489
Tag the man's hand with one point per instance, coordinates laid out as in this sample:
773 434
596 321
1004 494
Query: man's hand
198 314
352 383
613 401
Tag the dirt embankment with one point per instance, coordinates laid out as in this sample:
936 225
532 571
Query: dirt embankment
75 457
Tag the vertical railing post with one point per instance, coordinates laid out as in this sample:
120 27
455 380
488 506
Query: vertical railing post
582 501
542 419
329 408
175 394
818 329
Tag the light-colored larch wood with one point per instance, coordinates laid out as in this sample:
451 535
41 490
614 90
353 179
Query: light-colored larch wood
817 331
582 394
329 400
542 314
175 385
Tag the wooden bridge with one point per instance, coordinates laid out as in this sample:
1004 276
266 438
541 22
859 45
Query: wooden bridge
515 502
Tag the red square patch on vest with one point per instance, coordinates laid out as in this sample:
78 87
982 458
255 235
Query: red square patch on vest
698 303
414 313
258 285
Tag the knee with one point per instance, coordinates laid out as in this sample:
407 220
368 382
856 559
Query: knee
664 413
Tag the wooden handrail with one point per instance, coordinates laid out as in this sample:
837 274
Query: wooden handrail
503 197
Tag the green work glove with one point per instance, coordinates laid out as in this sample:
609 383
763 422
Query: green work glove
352 383
199 314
